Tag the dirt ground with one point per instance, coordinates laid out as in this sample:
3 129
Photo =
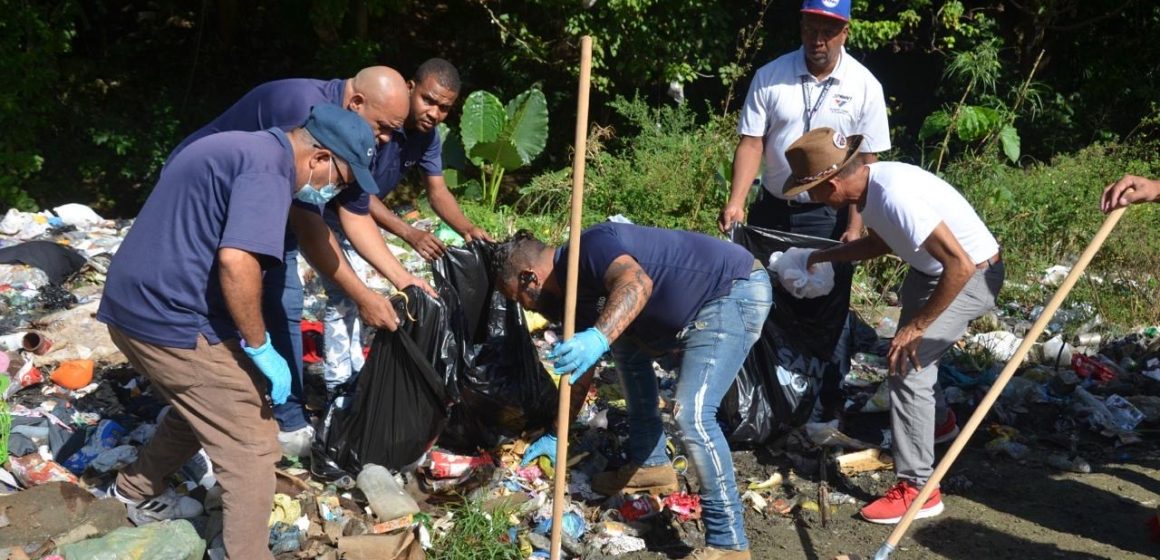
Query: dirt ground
997 508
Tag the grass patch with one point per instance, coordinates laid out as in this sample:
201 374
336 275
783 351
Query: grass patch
476 534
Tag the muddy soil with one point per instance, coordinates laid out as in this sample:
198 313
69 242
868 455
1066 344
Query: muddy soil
996 508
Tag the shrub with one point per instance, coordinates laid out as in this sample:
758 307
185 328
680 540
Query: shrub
671 172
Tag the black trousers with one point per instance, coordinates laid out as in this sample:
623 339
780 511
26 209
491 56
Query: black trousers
817 220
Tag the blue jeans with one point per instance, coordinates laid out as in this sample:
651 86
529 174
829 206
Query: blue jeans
282 312
711 349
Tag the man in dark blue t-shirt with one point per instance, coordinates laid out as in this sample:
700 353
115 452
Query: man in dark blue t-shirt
434 90
645 292
183 303
379 95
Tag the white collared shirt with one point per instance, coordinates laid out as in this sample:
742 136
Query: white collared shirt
775 110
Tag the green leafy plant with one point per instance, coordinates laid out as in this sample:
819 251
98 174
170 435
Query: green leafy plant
477 533
497 139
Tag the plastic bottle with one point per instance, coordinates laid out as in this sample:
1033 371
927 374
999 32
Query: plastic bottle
387 498
1056 352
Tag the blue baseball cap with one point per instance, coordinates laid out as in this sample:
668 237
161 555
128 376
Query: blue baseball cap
838 9
349 137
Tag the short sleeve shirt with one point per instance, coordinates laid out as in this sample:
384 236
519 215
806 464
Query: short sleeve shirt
850 101
904 203
281 103
231 189
687 270
393 161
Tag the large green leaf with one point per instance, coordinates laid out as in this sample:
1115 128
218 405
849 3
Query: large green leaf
527 124
453 155
453 177
935 124
975 122
483 119
498 152
1009 138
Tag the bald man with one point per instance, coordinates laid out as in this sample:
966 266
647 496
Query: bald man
380 95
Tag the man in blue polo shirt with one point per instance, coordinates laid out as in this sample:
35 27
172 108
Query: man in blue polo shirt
434 90
644 292
379 95
183 298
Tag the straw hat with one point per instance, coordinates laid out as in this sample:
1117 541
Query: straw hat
815 157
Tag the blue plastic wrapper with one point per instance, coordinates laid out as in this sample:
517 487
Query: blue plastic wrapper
104 437
574 525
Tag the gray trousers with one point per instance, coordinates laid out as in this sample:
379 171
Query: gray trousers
912 397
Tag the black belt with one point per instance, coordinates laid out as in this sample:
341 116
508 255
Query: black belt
789 203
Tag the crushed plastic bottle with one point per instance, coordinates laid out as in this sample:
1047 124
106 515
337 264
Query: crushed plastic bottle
387 497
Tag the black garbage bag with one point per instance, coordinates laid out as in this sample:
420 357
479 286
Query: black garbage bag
503 389
391 412
779 381
57 261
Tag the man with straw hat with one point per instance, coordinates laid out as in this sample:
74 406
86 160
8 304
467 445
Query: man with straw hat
955 275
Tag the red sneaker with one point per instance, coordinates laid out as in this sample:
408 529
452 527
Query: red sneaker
890 508
947 431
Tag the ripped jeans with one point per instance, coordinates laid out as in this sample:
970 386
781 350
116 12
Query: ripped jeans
711 350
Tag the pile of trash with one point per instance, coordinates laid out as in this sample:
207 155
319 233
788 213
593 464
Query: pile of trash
424 450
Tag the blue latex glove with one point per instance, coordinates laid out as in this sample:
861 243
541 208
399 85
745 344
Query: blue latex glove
274 367
545 447
579 353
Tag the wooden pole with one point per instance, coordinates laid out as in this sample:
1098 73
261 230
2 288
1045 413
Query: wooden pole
996 389
564 410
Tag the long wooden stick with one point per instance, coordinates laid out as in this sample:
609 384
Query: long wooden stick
564 410
996 389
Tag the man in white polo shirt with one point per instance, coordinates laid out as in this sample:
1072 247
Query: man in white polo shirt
817 85
955 275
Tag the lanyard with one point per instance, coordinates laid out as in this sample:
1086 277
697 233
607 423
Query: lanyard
817 104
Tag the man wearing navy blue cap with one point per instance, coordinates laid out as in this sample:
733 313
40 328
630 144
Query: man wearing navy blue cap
380 95
183 303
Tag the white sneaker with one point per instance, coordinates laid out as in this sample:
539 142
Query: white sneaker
296 443
168 505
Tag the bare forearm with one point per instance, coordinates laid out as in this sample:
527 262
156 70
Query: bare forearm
949 285
320 247
446 207
626 299
364 236
862 249
240 274
746 161
387 219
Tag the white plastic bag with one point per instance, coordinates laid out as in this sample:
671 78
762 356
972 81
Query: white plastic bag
77 215
790 269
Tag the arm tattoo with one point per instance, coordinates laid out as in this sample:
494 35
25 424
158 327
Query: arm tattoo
629 289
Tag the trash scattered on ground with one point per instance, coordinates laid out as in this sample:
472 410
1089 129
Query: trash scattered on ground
76 414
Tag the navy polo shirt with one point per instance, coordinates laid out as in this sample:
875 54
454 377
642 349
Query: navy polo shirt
284 104
687 270
231 189
393 161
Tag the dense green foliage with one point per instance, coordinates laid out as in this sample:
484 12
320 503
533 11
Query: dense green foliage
1030 107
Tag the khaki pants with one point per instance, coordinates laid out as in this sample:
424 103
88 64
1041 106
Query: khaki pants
219 403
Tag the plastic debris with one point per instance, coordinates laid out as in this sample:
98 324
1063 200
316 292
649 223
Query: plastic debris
172 540
685 506
799 280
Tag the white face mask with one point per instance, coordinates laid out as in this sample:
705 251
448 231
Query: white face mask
320 196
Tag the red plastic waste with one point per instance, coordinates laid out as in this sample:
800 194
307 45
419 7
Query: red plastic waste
1086 366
